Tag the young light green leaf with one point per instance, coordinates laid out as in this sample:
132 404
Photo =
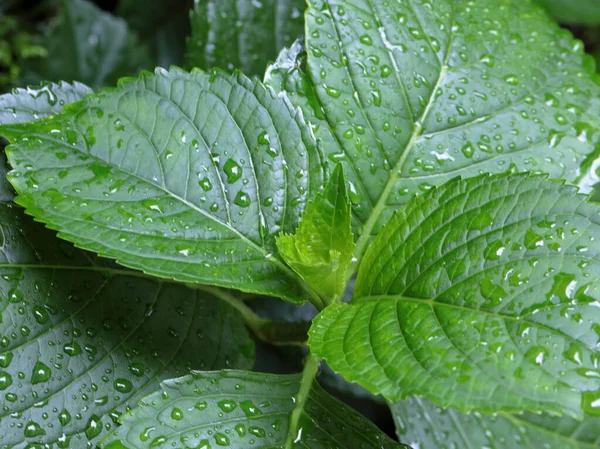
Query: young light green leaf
32 103
91 46
183 175
421 423
242 34
416 93
320 250
482 295
81 340
253 411
585 12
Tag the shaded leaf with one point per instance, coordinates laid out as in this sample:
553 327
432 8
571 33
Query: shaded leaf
580 12
183 175
80 340
321 248
90 46
253 411
422 424
416 93
482 294
244 35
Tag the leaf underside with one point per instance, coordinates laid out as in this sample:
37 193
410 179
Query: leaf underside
421 423
243 410
408 95
482 295
183 175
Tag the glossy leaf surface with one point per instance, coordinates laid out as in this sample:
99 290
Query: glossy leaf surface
482 295
321 248
243 410
90 46
80 339
421 423
416 93
242 34
32 103
183 175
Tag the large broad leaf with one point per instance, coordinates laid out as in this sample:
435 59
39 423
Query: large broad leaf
244 410
183 175
81 340
32 103
579 12
90 46
242 34
418 92
422 424
483 294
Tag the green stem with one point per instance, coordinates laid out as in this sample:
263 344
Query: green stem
308 376
276 333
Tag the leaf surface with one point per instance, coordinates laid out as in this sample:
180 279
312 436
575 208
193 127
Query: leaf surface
421 423
80 339
90 46
321 248
32 103
482 295
253 411
416 93
183 175
242 34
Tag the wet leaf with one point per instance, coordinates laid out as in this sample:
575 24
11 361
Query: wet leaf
421 423
320 250
183 175
81 339
408 95
242 34
90 46
32 103
481 295
240 409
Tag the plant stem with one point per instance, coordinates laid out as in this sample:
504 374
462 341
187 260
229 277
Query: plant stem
276 333
311 368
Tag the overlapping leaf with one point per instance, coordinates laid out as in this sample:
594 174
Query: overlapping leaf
421 423
244 410
483 294
242 34
80 340
418 92
90 46
183 175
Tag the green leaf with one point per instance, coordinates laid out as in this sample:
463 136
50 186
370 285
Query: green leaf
416 93
90 46
32 103
483 294
421 423
163 26
320 250
253 411
585 12
242 34
183 175
81 340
